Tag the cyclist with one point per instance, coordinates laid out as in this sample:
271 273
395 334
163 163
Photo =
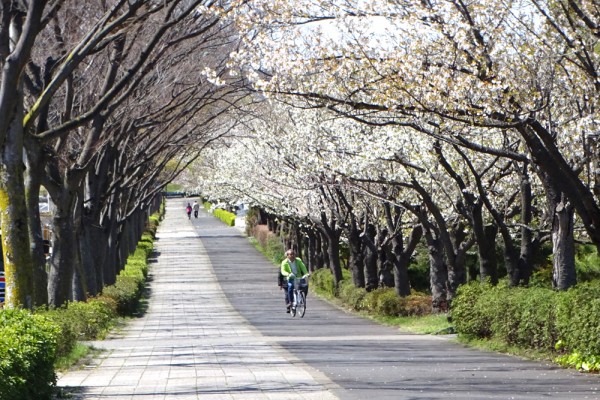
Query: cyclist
292 267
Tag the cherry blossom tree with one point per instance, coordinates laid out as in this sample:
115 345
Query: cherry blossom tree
518 67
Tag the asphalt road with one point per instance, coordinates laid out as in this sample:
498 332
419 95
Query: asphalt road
365 360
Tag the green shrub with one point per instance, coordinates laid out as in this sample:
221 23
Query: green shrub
388 303
80 320
535 318
126 292
470 317
577 321
417 304
268 243
252 219
322 281
351 295
31 343
587 263
369 302
274 249
146 244
152 225
225 216
69 334
27 355
418 269
95 316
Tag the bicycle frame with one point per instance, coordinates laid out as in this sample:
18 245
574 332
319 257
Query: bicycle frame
299 300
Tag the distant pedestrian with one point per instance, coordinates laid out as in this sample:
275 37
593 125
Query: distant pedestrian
196 208
188 210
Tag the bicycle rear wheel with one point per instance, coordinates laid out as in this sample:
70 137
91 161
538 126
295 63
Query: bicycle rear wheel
301 307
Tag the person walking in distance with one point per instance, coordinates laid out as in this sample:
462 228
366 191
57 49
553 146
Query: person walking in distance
188 210
292 267
196 208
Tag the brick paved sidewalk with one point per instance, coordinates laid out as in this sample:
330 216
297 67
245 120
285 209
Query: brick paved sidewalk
191 343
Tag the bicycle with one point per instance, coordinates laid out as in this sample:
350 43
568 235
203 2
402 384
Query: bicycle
299 301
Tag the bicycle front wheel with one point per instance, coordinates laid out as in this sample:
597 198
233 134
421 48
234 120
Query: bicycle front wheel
301 304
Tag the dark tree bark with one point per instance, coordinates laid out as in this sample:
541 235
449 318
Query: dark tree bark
471 207
356 262
438 272
488 264
331 232
528 243
370 257
40 276
455 250
563 274
548 158
403 256
313 247
563 240
60 278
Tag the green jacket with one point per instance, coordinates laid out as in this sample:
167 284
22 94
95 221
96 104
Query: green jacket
286 268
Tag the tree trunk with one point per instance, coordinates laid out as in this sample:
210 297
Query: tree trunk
80 274
312 251
563 242
18 264
110 226
527 246
91 258
324 251
319 259
438 274
356 262
402 259
542 145
456 258
488 264
370 258
19 30
333 248
40 276
563 274
60 279
386 267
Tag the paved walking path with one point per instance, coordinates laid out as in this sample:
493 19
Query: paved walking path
191 343
216 329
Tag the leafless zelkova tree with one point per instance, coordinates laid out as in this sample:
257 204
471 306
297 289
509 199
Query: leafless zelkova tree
113 93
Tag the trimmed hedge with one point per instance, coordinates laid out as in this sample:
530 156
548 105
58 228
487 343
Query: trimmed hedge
382 302
82 321
27 354
30 343
225 216
562 323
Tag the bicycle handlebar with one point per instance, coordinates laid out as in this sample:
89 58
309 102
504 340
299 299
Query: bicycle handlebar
302 277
